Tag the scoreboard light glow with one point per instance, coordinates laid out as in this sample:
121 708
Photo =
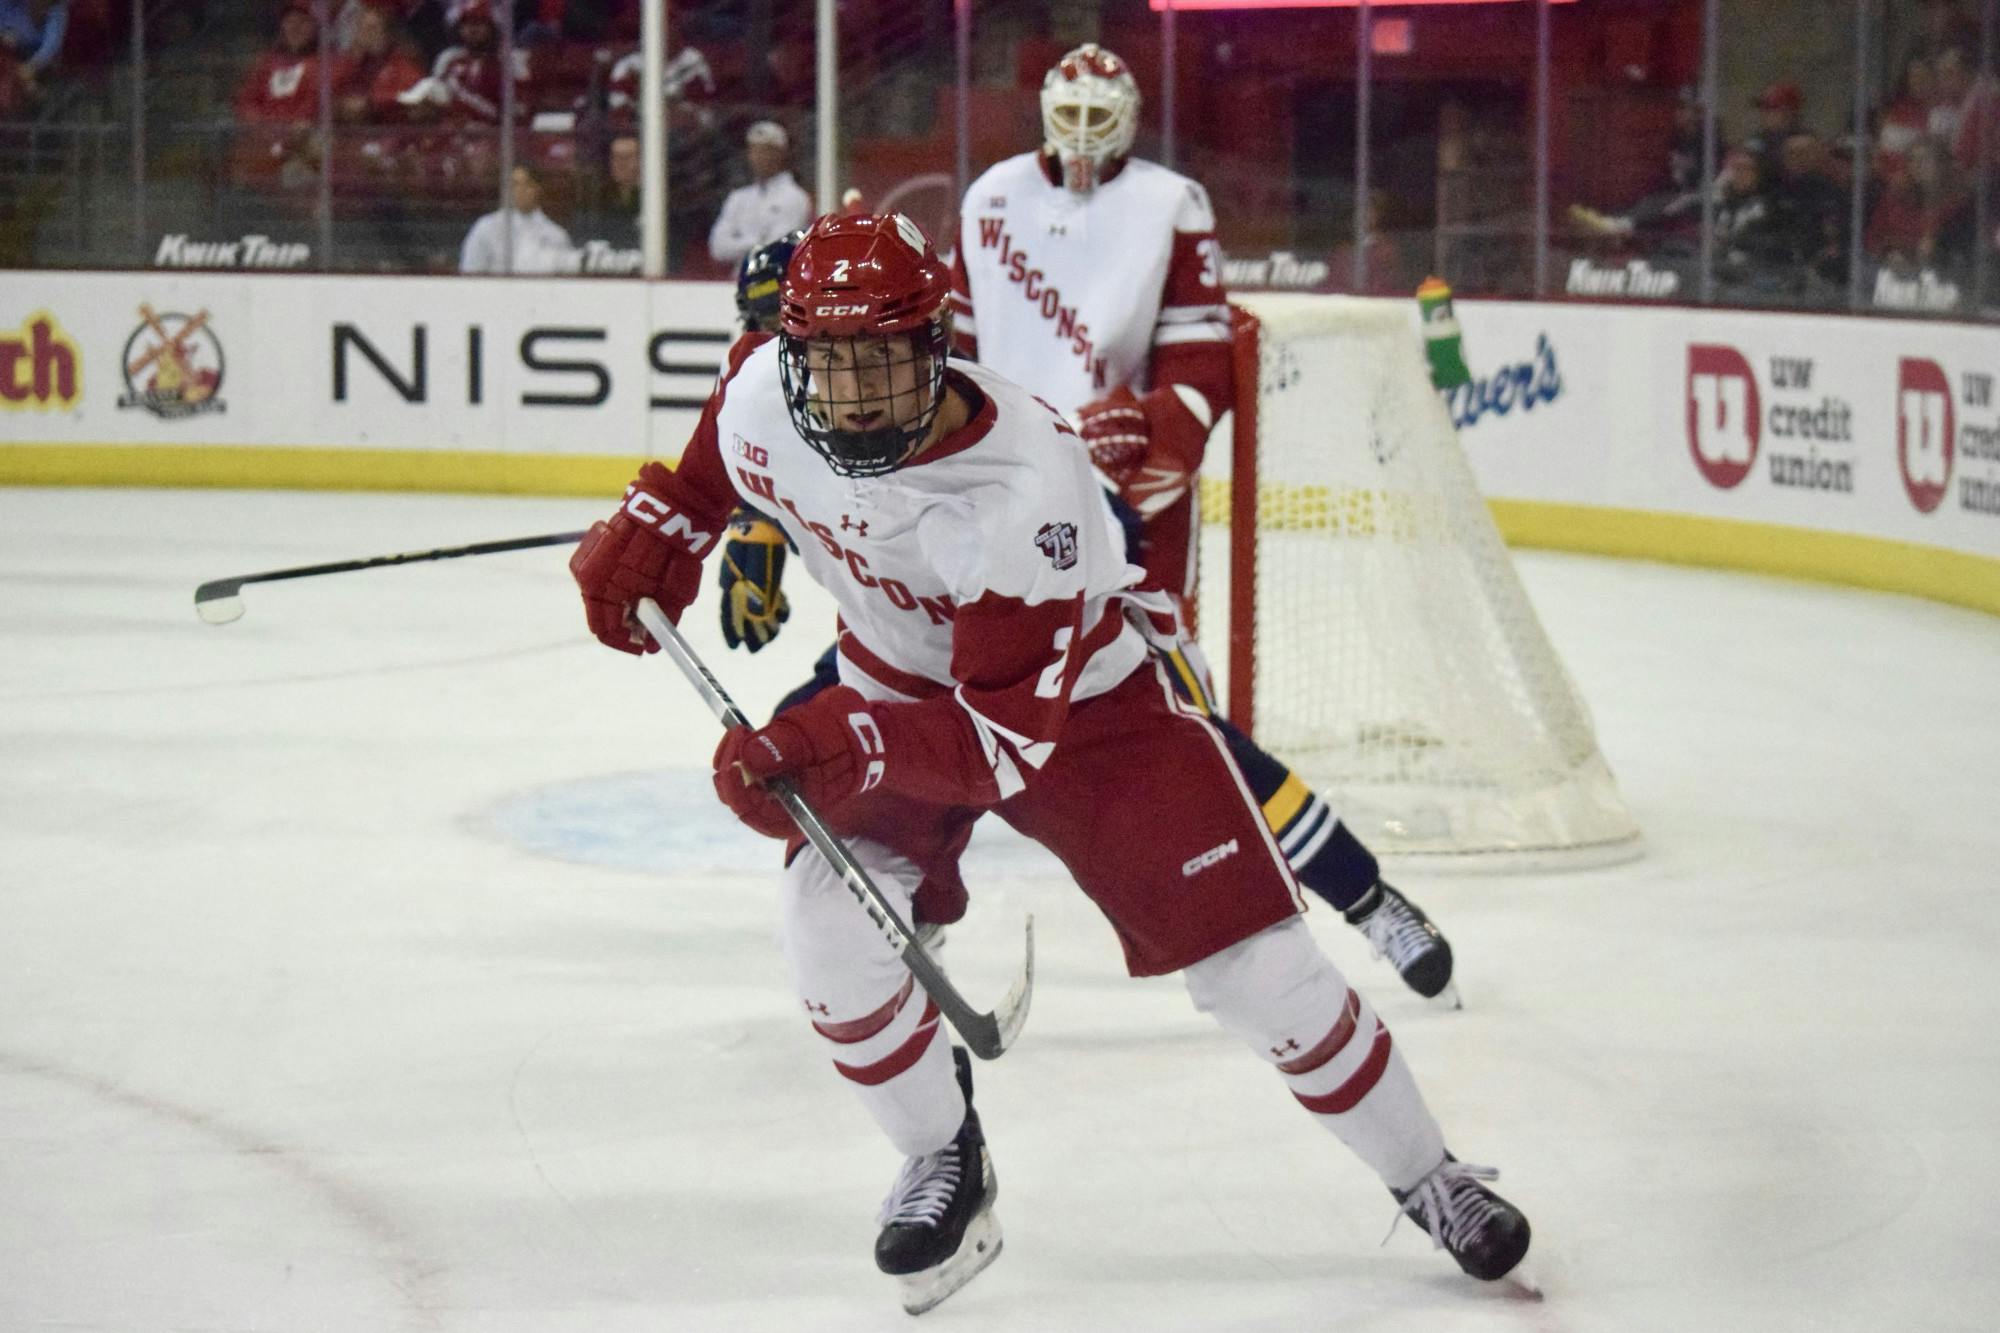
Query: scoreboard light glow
1180 5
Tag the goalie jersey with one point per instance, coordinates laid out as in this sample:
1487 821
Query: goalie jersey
1074 295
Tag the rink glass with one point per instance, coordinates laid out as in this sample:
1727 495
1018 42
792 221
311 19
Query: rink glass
1347 146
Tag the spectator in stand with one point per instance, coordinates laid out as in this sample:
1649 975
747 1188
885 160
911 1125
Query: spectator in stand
686 81
277 104
770 206
1941 24
464 84
1753 245
422 21
1811 209
1923 219
1957 72
1907 117
1673 203
617 219
522 239
1779 117
31 40
374 73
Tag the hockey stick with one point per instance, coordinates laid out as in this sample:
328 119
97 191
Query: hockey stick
986 1035
219 601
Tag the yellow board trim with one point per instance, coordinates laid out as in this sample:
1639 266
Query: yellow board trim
256 467
1954 577
1934 572
1286 802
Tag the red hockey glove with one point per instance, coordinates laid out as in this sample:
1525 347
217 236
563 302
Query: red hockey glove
1115 430
1150 447
648 549
829 746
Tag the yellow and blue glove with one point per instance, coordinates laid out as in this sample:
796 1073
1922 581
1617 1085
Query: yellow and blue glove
753 566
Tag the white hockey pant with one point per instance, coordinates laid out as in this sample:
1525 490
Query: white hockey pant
1284 997
881 1030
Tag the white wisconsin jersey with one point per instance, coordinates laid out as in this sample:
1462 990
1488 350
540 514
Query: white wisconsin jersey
1006 513
1071 294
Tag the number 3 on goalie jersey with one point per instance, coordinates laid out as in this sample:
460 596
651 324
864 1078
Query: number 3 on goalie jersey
1050 685
1211 262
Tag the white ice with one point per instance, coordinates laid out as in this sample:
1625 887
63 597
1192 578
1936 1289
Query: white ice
382 962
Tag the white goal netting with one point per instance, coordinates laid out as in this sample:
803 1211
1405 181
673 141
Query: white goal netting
1384 640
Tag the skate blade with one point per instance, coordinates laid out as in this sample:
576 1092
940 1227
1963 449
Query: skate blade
1521 1283
981 1246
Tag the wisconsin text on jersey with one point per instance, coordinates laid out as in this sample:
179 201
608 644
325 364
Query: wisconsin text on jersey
939 609
1043 295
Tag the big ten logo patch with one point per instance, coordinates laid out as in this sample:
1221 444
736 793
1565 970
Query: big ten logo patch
1724 414
1925 435
40 366
173 365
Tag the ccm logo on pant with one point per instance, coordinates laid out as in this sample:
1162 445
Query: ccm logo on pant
1194 865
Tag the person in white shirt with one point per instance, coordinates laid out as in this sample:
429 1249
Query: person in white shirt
770 206
536 244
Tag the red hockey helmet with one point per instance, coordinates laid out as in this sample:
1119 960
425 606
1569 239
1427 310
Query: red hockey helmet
864 333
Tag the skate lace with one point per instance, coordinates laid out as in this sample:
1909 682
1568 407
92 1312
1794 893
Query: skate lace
923 1190
1450 1204
1393 929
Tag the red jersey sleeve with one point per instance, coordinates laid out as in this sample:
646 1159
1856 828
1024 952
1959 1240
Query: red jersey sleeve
1022 636
279 88
1191 337
1016 664
699 484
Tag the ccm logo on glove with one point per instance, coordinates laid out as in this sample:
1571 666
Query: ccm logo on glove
656 513
870 737
830 747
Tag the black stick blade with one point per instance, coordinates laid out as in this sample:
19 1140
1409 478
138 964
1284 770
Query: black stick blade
220 601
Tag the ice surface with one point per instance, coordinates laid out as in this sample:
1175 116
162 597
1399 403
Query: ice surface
381 961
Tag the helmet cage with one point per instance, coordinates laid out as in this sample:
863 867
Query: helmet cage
816 413
1090 113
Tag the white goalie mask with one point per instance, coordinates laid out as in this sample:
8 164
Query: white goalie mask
1090 111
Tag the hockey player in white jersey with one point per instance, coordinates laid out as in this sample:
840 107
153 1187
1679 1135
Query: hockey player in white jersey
1095 279
994 655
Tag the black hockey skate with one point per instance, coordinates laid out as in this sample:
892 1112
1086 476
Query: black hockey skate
1398 930
1482 1231
938 1228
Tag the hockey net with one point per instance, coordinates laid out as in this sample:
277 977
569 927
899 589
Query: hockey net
1378 637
